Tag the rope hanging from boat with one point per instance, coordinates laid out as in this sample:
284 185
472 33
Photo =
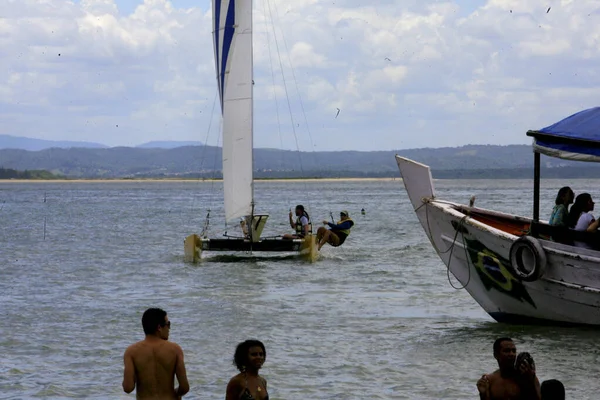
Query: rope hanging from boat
450 249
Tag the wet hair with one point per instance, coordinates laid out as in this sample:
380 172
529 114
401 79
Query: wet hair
560 197
301 208
240 358
152 318
553 389
581 202
498 344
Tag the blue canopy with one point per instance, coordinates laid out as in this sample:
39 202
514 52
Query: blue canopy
574 138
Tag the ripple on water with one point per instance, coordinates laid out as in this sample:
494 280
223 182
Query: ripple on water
375 318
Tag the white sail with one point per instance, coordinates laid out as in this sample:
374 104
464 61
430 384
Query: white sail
232 37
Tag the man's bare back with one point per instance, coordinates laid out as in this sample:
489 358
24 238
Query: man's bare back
152 364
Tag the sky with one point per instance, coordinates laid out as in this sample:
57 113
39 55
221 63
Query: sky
403 73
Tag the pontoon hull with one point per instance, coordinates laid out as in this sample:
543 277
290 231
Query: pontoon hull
195 245
477 253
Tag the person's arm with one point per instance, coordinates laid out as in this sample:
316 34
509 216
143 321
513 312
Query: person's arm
531 387
593 226
483 387
128 372
343 225
233 390
181 374
292 221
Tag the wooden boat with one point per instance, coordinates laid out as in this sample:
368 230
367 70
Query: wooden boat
510 264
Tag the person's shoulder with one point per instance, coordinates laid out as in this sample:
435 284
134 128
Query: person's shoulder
236 381
174 346
494 375
586 217
134 346
135 350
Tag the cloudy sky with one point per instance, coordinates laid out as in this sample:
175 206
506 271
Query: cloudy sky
404 73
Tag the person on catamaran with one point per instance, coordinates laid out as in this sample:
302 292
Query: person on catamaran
302 225
337 233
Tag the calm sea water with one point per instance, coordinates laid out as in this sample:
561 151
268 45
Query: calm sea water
374 319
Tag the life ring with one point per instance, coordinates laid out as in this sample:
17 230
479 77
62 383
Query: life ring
528 259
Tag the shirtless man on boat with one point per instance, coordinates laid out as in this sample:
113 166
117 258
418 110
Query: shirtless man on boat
152 364
508 382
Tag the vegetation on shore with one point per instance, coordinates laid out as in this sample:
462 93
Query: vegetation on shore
7 173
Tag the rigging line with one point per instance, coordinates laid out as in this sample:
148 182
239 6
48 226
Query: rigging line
275 94
294 78
285 85
305 184
312 145
204 148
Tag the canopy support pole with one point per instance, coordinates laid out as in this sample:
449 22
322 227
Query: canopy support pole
536 187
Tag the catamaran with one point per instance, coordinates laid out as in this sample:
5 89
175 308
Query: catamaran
510 264
232 39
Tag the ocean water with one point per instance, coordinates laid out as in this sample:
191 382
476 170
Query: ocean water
375 318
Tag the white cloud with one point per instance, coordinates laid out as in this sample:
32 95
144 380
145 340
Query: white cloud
404 73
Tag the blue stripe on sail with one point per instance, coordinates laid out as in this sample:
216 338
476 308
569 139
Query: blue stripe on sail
228 32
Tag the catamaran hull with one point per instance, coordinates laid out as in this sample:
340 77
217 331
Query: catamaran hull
478 255
194 245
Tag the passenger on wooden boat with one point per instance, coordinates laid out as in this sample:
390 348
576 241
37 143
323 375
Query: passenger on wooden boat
580 218
512 380
302 225
560 211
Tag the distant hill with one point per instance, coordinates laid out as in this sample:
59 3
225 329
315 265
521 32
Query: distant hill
31 144
168 144
472 161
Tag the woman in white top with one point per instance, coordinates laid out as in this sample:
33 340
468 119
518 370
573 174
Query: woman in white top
580 218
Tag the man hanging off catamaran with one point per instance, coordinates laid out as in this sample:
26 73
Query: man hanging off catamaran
337 233
302 225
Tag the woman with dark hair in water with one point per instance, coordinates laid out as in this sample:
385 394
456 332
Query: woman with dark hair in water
248 384
580 218
560 211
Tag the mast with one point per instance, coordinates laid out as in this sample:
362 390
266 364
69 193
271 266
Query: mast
251 107
232 20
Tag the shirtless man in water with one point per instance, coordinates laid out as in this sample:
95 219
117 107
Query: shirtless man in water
507 383
152 364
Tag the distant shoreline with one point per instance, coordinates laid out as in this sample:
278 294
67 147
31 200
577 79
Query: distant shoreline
179 180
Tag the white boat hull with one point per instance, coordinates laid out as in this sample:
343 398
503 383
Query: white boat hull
478 255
